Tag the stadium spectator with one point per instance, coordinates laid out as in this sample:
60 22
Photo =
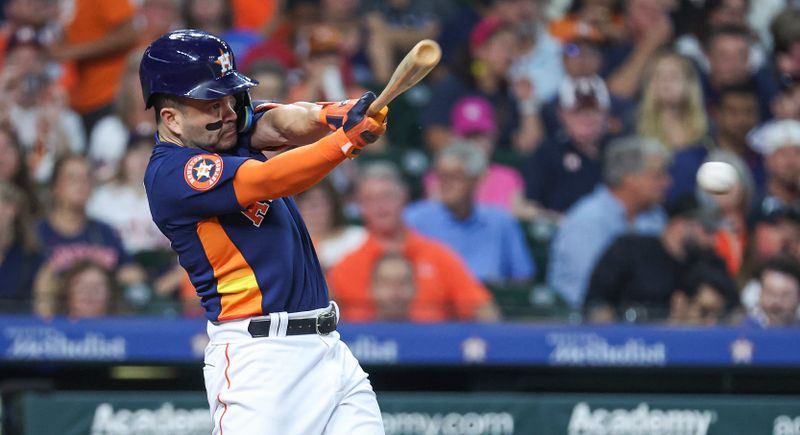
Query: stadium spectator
733 238
727 50
69 236
37 110
473 120
14 170
785 30
780 294
446 290
403 23
779 143
635 278
364 45
216 17
735 116
707 300
87 290
715 14
20 253
325 71
122 204
484 72
29 20
635 177
111 134
487 237
672 108
672 111
271 77
97 40
155 18
393 287
322 207
540 55
583 59
776 214
568 165
648 29
597 19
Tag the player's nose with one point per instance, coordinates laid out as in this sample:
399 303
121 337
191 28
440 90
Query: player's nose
228 112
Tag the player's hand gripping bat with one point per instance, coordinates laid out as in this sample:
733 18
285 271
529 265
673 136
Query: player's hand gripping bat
413 68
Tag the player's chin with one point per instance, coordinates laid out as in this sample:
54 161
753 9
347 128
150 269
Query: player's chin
227 141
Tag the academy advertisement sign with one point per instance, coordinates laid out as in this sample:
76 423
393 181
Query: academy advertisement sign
186 413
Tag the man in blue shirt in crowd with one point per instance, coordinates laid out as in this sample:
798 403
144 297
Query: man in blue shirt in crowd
636 179
488 238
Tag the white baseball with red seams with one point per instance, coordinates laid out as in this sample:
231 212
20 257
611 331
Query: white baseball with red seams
717 177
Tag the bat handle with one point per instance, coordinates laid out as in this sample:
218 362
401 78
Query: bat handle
376 106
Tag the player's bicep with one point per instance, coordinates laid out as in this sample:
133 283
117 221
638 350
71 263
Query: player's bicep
204 186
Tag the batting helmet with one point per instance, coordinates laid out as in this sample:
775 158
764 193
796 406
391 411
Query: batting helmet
194 64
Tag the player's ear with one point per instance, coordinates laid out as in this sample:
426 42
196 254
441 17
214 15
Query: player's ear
171 117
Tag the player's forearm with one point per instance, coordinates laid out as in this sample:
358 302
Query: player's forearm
289 173
299 122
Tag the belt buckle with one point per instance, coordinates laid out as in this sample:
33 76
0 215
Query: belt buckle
323 317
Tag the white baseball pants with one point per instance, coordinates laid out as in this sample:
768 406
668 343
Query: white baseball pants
284 385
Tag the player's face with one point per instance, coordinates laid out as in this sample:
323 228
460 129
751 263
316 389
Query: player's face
210 125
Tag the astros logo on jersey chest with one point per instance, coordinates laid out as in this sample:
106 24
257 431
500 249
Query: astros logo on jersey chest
203 171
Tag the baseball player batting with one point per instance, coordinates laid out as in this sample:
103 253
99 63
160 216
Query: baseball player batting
274 363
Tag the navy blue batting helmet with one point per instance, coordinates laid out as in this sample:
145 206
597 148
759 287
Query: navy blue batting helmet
191 63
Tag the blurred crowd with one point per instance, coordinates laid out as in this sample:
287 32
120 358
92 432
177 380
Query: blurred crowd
545 170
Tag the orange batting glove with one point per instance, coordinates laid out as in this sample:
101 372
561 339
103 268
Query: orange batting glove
361 129
334 114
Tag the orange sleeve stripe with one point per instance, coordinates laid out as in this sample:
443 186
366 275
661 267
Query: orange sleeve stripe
240 295
289 173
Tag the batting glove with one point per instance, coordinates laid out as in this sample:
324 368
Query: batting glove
360 129
333 114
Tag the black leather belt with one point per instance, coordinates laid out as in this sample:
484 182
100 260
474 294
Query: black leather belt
323 324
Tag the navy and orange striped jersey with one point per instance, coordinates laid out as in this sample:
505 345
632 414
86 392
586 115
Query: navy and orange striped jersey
243 262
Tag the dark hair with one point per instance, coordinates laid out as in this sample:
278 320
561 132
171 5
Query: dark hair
227 15
21 179
782 264
728 30
161 101
388 256
333 195
61 161
747 88
24 232
716 278
68 276
785 29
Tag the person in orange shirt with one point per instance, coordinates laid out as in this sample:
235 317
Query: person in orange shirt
445 289
98 34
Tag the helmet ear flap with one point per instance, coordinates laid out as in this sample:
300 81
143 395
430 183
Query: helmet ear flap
244 112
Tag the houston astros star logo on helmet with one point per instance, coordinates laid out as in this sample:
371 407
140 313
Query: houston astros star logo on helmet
224 60
203 171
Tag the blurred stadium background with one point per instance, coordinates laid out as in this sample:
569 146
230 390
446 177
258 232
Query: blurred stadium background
559 271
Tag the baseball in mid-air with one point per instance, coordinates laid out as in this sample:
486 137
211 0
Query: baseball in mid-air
717 177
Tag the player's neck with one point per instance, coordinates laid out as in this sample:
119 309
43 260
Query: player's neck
166 135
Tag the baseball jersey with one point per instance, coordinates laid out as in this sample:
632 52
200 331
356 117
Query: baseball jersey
243 262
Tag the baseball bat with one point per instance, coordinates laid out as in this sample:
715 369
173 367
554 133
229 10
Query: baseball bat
413 68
